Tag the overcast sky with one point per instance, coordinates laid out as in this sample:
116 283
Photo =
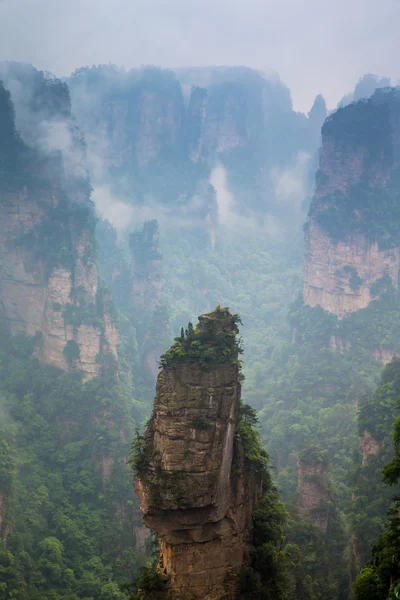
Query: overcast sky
315 45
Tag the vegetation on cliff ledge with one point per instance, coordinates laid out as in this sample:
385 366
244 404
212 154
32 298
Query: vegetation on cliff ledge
213 341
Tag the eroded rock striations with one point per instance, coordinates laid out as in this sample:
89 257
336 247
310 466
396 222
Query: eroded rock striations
352 239
196 491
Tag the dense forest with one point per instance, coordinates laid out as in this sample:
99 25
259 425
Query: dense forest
161 194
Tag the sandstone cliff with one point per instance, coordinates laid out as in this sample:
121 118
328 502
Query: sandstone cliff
352 239
60 304
196 491
48 276
339 274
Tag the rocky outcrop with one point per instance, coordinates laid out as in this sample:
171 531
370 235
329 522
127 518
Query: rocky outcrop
350 241
312 491
194 488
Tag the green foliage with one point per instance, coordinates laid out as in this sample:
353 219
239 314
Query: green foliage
368 585
380 579
72 352
391 471
314 454
351 273
83 311
150 579
381 286
378 411
213 341
267 577
64 534
137 456
256 456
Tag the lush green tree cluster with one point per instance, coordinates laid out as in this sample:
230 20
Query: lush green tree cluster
380 578
212 341
67 505
266 578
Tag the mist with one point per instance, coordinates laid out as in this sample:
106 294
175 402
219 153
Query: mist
316 46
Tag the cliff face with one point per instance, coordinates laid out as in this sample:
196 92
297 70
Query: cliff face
339 274
48 277
194 489
350 240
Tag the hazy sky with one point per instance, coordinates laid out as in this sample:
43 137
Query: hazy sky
315 45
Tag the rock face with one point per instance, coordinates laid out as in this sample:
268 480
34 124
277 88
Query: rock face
312 491
338 275
350 240
194 489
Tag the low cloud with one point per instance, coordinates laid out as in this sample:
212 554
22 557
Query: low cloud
291 185
55 135
315 45
118 212
229 217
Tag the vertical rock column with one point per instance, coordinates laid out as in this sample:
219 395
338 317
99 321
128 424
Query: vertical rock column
191 479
